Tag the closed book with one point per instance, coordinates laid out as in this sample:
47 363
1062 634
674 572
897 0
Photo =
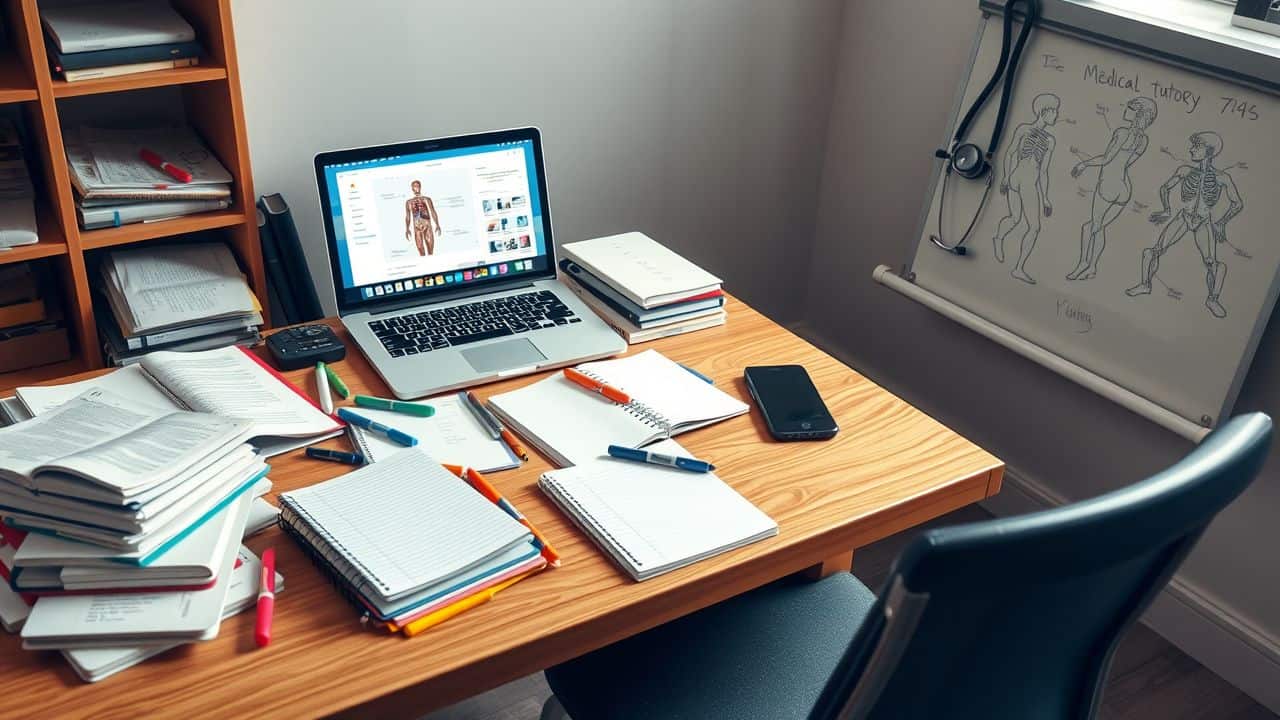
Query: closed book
636 265
277 274
280 218
117 70
155 341
86 27
118 354
642 317
634 335
93 218
124 56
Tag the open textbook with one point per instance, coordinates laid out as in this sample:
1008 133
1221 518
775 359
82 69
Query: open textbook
228 381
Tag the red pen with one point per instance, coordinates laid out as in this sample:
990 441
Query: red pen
266 597
152 158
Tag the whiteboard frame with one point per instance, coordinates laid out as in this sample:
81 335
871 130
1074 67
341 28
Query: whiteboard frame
1221 57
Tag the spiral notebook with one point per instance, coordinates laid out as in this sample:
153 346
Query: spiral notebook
397 526
573 425
652 519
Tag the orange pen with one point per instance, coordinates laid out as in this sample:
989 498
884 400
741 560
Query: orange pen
491 494
594 385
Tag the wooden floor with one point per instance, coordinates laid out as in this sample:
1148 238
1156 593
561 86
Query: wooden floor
1150 679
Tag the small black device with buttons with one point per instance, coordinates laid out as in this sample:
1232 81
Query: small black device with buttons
790 404
304 346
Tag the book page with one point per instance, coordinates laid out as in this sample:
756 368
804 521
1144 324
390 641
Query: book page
117 156
661 384
453 435
128 383
228 382
89 420
170 285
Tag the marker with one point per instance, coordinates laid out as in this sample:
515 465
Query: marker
644 456
594 385
482 414
152 158
365 423
335 456
491 494
408 408
266 598
335 381
693 372
322 387
432 619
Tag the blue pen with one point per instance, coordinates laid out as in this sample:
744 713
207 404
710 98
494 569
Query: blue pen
699 375
653 458
335 455
365 423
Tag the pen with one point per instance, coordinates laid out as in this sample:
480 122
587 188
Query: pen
152 158
322 387
594 385
491 493
430 620
696 374
653 458
365 423
482 414
408 408
349 458
335 381
266 598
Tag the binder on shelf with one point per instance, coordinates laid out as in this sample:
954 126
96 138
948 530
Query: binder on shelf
289 247
280 294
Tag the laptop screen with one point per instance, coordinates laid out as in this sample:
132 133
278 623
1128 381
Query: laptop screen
421 221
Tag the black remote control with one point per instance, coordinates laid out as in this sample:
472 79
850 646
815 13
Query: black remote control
305 346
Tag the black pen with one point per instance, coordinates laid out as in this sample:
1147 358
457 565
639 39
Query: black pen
335 456
482 414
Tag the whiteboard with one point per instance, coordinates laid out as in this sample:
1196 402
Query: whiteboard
1130 227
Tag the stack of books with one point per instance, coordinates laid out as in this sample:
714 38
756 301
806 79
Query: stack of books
143 175
175 297
132 517
642 289
32 330
106 39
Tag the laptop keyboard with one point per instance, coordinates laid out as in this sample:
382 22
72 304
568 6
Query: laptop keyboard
462 324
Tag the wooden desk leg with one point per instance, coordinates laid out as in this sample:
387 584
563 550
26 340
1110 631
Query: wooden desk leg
832 565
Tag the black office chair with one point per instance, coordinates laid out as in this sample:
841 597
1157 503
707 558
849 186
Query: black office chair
1010 619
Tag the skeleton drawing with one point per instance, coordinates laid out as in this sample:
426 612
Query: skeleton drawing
1201 187
1114 189
1025 182
419 216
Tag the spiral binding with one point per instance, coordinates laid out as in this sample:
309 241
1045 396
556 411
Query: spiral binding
335 576
639 410
593 526
363 575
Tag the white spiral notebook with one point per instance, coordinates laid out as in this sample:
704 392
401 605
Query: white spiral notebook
653 519
573 425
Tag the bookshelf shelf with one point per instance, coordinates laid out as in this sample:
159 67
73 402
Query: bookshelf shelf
141 232
16 84
40 374
140 81
44 248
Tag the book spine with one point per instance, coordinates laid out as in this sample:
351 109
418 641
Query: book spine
118 70
115 216
277 274
125 55
286 234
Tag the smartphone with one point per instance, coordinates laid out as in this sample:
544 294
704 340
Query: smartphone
790 403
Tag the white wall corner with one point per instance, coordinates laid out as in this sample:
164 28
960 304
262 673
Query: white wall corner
1184 614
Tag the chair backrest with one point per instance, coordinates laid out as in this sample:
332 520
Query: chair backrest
1019 617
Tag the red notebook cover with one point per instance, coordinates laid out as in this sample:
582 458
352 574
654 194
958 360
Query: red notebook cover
338 424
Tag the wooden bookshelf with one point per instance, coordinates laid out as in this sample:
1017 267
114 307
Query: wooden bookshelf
210 95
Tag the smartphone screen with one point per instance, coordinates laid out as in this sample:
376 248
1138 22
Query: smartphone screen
790 403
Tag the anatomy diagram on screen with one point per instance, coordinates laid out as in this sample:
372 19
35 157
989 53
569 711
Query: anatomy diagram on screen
1201 186
1025 182
1114 189
419 217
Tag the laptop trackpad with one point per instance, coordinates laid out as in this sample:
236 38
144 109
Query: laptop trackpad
503 356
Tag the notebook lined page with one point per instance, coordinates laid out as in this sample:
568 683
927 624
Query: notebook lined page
406 522
662 385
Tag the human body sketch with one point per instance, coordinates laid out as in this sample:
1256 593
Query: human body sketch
1114 189
1025 182
419 216
1201 186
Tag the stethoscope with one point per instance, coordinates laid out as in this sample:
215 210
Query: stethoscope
966 159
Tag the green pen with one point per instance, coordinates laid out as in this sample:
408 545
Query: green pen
336 382
407 408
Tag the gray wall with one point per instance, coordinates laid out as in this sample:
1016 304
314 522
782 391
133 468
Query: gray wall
698 122
895 86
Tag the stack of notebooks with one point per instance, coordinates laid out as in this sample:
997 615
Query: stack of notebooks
17 195
106 39
640 288
32 331
117 182
666 400
175 297
404 538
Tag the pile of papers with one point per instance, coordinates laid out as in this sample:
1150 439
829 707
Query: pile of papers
17 196
175 297
123 527
640 288
115 186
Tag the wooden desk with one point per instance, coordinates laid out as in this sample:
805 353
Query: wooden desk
891 467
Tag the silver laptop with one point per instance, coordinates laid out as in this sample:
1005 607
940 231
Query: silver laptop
443 262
